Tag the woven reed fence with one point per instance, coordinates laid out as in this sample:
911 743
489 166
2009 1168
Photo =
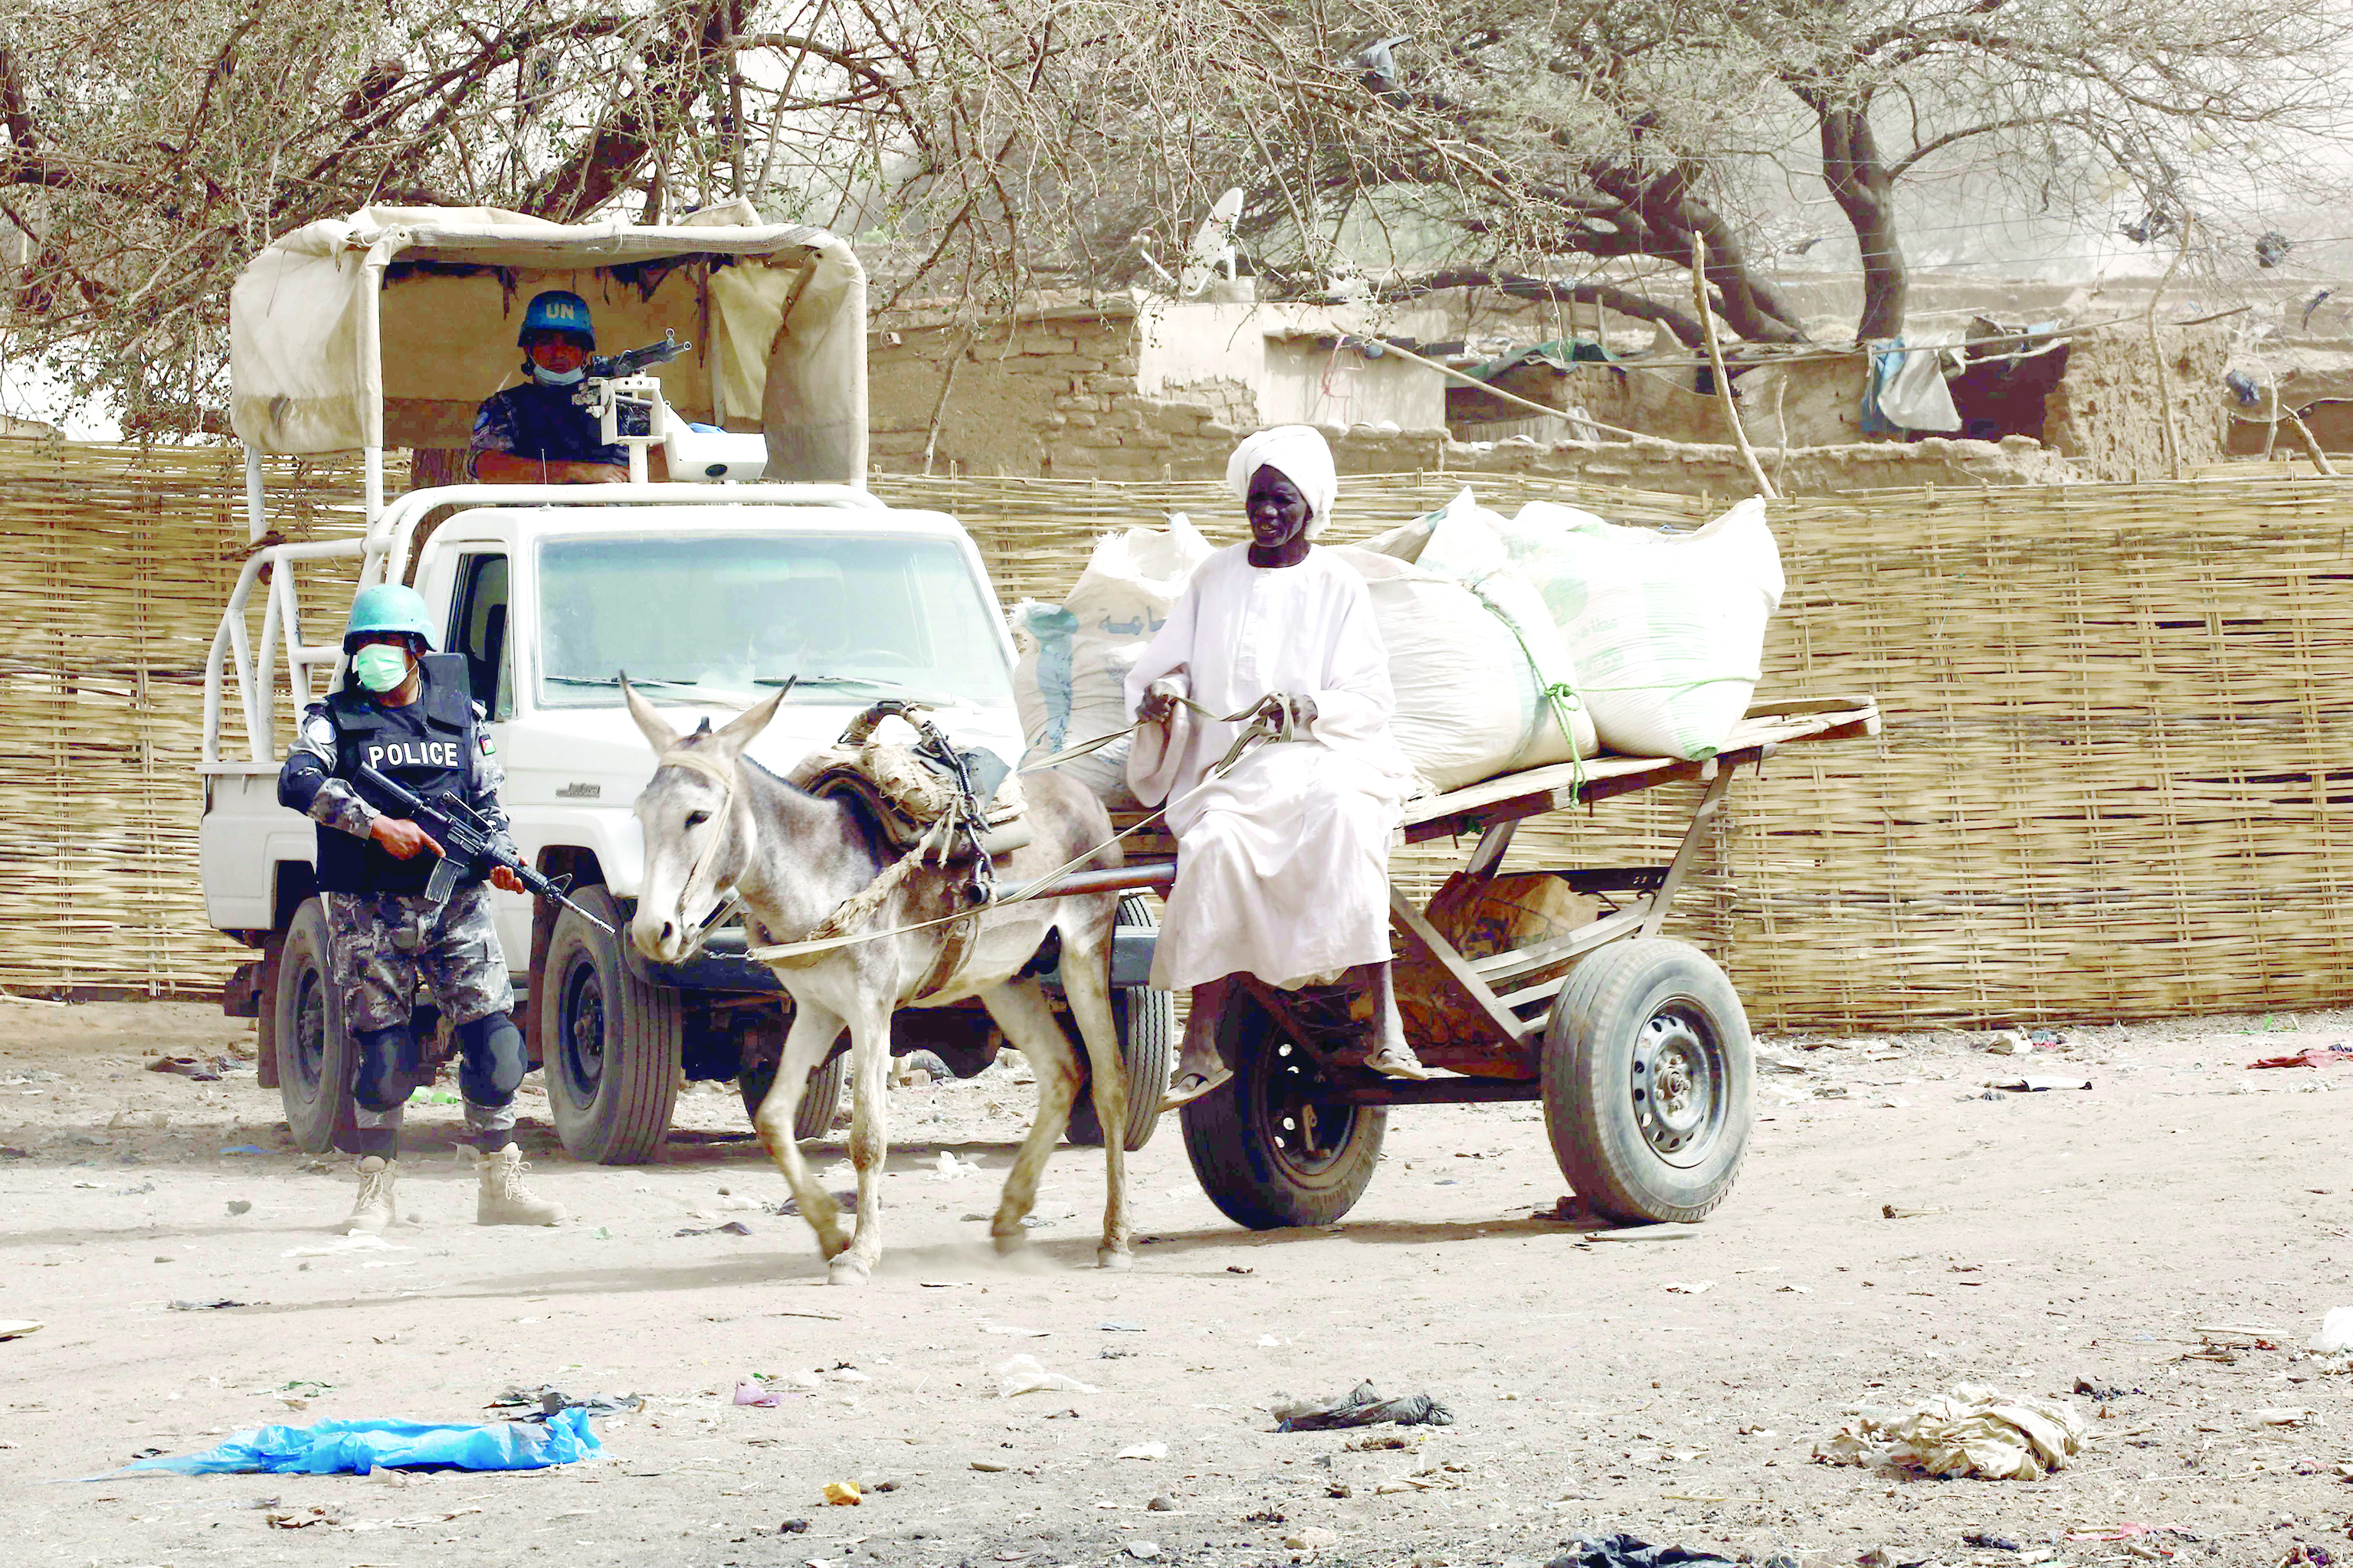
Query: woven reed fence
2117 776
2115 782
114 565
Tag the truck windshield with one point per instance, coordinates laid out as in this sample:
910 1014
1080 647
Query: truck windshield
726 617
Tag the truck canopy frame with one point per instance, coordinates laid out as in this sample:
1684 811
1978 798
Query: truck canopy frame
777 314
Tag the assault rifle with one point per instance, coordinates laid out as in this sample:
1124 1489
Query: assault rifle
631 416
633 362
467 840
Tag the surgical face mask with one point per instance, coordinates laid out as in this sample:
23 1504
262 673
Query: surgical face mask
546 377
381 669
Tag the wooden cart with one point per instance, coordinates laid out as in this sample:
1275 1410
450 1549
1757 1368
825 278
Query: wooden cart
1636 1044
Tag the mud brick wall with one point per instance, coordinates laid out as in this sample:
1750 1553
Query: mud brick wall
1055 397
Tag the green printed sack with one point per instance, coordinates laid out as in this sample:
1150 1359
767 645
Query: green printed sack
1666 630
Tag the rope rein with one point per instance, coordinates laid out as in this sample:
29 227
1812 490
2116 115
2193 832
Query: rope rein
837 930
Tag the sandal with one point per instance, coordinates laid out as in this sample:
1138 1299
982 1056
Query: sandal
1191 1085
1393 1061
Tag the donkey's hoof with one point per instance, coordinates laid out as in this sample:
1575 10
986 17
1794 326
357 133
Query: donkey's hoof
1115 1257
831 1248
848 1271
1010 1243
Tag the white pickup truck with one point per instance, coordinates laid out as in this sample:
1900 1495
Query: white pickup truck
709 595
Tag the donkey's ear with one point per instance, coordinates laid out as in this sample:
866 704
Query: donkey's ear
738 732
657 734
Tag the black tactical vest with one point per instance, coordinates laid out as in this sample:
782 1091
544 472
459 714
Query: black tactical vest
427 747
549 425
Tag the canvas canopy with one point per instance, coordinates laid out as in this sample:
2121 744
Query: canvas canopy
389 327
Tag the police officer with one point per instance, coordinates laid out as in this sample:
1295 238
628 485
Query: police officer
534 434
421 729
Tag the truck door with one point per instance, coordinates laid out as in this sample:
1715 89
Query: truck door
477 628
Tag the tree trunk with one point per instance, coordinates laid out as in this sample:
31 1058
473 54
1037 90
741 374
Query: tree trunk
1672 215
1858 181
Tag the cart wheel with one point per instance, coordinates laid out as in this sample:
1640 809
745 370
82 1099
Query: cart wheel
1148 1029
1267 1151
813 1117
316 1055
609 1042
1648 1079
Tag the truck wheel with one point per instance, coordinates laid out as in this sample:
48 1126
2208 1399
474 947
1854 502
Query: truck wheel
316 1057
1267 1149
608 1041
1147 1029
813 1117
1648 1079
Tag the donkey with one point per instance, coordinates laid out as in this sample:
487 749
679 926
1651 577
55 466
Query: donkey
713 819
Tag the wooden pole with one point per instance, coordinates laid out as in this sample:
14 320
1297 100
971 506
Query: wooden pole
2157 352
2312 444
1723 382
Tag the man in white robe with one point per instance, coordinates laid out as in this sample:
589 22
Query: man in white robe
1282 858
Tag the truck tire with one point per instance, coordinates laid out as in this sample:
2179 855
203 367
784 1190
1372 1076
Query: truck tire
1648 1081
813 1117
1147 1031
1267 1151
316 1055
609 1042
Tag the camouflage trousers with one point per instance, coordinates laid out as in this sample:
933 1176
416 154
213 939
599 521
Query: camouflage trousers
380 945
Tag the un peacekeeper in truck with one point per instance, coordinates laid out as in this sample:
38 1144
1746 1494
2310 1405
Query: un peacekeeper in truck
534 434
417 723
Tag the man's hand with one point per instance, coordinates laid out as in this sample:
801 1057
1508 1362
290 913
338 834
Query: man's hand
402 839
1158 703
505 880
1289 713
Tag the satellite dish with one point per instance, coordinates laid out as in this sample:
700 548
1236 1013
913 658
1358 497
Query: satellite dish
1211 255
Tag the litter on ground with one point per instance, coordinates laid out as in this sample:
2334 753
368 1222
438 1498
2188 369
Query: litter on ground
1626 1552
2314 1057
1360 1407
1969 1430
1023 1374
358 1447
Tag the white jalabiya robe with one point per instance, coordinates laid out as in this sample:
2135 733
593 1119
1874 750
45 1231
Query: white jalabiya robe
1281 863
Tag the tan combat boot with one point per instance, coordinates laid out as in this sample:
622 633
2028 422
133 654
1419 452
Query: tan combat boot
373 1212
504 1200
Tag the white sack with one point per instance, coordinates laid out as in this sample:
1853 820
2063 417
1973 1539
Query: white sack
1666 631
1071 674
1469 687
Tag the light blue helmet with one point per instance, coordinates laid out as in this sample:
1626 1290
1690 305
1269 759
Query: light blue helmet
558 310
388 607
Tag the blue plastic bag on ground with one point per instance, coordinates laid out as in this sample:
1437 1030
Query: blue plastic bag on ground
358 1446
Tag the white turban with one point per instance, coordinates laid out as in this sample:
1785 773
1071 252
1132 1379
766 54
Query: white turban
1297 452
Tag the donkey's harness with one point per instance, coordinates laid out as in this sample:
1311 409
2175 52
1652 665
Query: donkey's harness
937 804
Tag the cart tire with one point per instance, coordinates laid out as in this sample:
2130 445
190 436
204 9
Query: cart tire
1245 1139
316 1057
813 1117
1632 1016
609 1042
1147 1031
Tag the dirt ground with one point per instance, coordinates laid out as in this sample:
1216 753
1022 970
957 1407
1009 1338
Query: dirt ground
1596 1386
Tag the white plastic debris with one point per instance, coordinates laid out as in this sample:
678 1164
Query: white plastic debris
1022 1374
1144 1451
1969 1430
950 1168
2335 1334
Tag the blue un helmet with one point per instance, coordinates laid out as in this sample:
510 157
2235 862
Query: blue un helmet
388 607
558 310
